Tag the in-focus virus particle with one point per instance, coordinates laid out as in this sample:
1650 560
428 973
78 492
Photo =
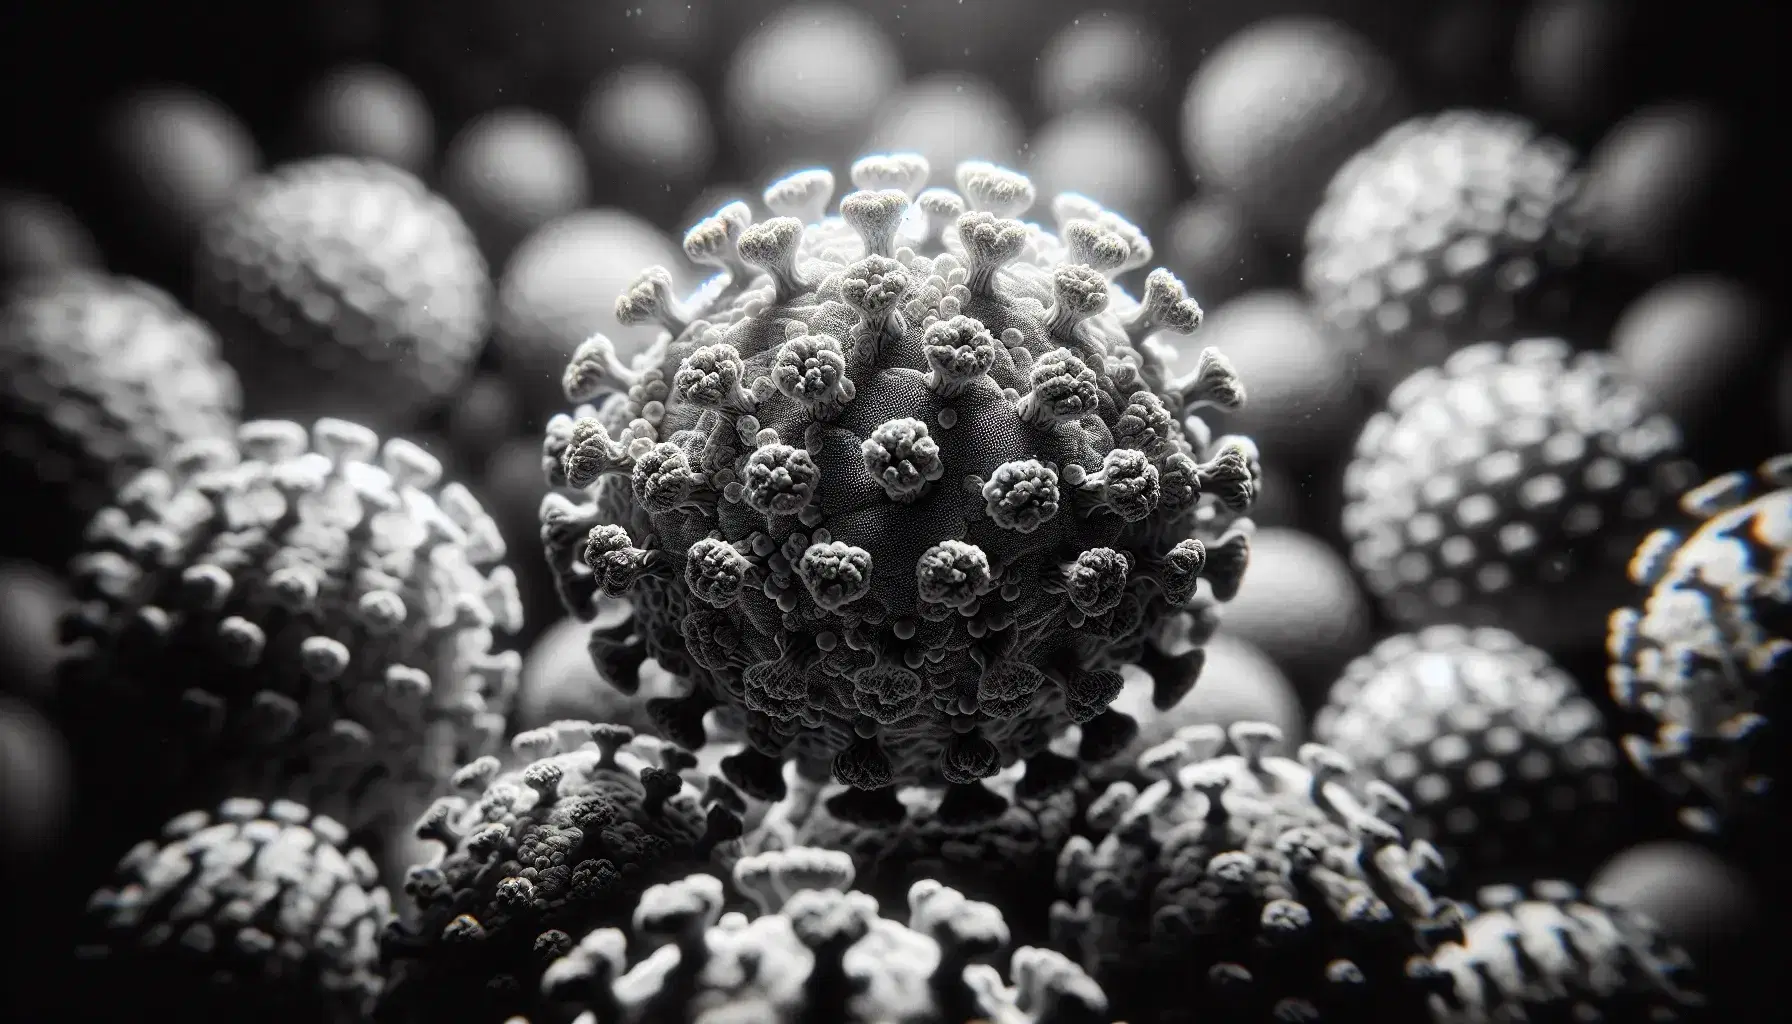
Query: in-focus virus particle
1451 229
1246 886
1505 489
306 615
1704 666
254 912
1553 955
100 377
908 512
1506 765
563 841
817 951
345 284
365 110
511 171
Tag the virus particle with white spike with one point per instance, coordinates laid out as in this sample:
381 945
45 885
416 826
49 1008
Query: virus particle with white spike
1704 666
1506 765
1505 487
906 485
563 841
255 912
1247 887
299 614
817 951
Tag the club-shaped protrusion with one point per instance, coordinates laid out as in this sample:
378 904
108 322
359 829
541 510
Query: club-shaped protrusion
594 370
990 243
906 172
995 190
875 215
772 247
649 299
941 207
804 195
714 241
1165 306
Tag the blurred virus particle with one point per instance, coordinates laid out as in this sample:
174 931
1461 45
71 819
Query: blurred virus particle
558 840
32 602
1214 248
1701 902
1465 50
1278 107
473 56
1551 954
1695 343
369 111
34 787
949 118
347 285
1568 59
1506 766
39 235
1506 487
1110 155
304 615
561 681
176 157
1782 399
485 414
1301 605
511 171
1651 183
647 135
1704 665
1451 229
1251 887
906 512
252 912
1102 60
100 377
817 950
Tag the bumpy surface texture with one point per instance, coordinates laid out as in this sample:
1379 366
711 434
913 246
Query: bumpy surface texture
538 854
1248 887
100 377
909 511
1506 487
817 951
1451 229
1705 664
343 284
256 912
1507 766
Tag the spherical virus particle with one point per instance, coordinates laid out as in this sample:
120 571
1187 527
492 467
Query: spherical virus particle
909 512
1705 665
345 284
1506 487
300 614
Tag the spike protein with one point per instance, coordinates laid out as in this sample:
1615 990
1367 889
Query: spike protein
903 486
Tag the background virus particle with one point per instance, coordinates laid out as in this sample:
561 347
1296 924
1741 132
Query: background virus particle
562 681
32 602
948 118
1551 954
647 133
508 173
1451 229
1700 901
1247 886
817 950
34 788
100 377
906 512
1567 58
1704 665
1211 246
345 284
1301 605
1506 487
1280 106
1651 183
1507 768
1102 59
1110 155
563 840
367 111
175 157
255 911
302 615
39 235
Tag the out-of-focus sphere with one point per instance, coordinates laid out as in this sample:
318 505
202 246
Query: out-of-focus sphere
1299 604
1212 246
1566 57
647 119
561 683
949 118
369 111
1649 181
482 417
1697 898
1279 107
179 157
32 601
1783 400
1109 155
511 171
804 84
34 784
1695 344
1239 683
1102 59
39 235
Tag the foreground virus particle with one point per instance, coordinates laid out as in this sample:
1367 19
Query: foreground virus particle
1705 664
1556 956
1249 887
538 854
100 377
345 284
1507 767
255 912
1452 229
307 615
1506 487
908 513
817 951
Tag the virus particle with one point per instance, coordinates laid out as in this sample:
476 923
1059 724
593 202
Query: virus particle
299 615
1250 887
1451 229
1699 900
1705 665
817 951
1301 605
345 284
34 787
1102 59
1694 342
511 171
647 132
950 117
255 912
1506 765
369 111
1557 956
100 377
908 513
1569 58
1505 487
174 158
1110 155
39 235
561 679
562 842
1652 182
1212 246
